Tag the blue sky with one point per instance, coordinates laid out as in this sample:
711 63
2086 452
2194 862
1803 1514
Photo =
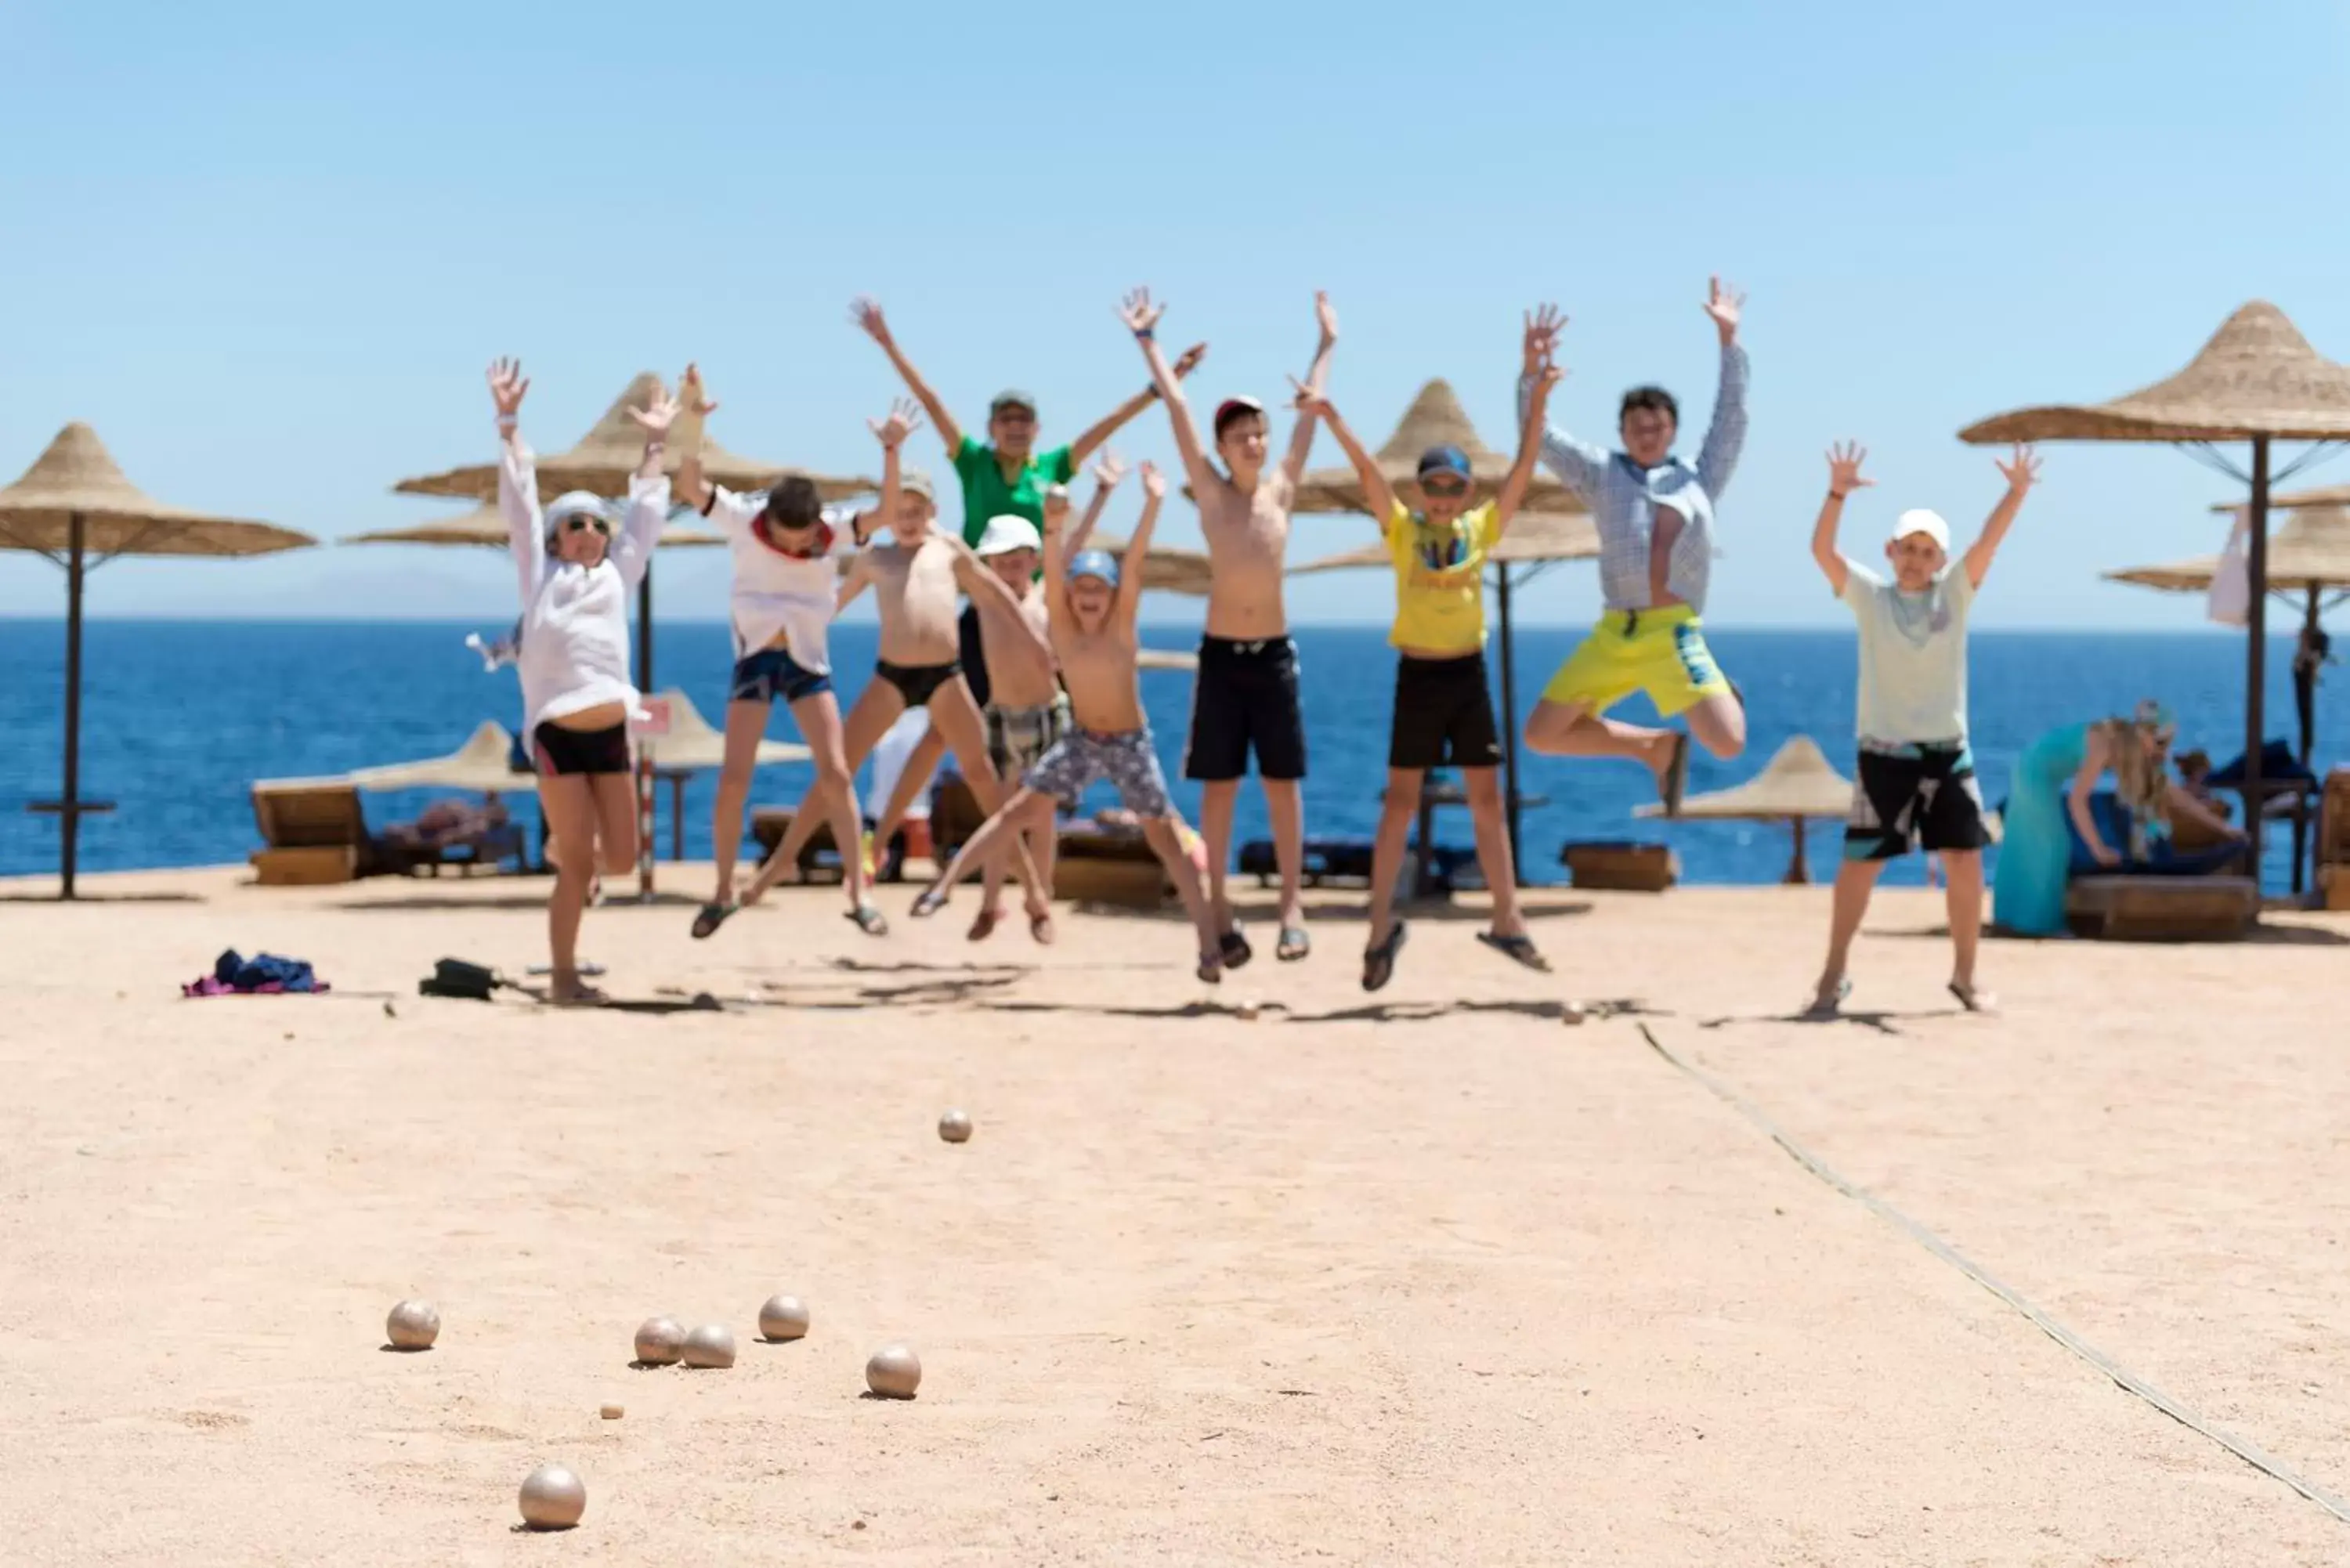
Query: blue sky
266 248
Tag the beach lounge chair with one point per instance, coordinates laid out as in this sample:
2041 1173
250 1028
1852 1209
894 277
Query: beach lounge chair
2174 895
313 833
1620 866
2333 840
452 833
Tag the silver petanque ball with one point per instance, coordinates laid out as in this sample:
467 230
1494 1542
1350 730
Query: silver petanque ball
894 1373
710 1346
412 1326
552 1498
955 1127
783 1318
659 1340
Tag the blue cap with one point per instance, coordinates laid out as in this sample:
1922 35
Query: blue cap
1094 563
1445 460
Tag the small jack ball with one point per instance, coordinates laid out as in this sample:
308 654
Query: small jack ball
955 1127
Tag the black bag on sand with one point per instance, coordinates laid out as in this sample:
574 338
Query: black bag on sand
457 977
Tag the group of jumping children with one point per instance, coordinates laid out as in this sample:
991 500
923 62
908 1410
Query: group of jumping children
1019 640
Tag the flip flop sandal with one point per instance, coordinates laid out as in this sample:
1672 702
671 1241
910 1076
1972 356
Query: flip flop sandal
931 902
1040 928
1378 962
1824 1008
1520 947
1233 949
1973 999
1675 783
586 996
870 920
1295 944
1211 969
984 925
711 916
586 971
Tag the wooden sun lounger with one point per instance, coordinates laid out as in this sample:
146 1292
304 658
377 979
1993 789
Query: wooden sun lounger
313 834
2163 909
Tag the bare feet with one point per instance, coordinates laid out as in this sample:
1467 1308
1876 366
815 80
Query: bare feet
565 989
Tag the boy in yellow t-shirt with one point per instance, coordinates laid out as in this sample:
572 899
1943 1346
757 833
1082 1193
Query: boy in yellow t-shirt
1443 712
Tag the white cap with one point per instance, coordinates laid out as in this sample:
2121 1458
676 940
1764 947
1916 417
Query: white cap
1918 520
1006 533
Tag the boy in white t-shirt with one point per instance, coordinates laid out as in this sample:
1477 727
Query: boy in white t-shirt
1915 775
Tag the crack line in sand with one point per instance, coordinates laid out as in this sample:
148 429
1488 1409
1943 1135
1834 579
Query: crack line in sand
2055 1330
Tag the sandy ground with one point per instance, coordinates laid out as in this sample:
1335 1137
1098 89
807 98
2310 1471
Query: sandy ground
1436 1281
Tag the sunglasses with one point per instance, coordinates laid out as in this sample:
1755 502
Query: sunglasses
577 524
1438 484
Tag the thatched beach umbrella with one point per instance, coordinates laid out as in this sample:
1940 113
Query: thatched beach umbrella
1552 525
601 462
1181 659
485 526
1795 786
2256 381
77 508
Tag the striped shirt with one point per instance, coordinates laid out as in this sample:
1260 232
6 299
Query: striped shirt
1622 496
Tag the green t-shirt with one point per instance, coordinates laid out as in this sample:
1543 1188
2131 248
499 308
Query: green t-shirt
985 495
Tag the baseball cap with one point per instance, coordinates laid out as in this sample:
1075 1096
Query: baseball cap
1231 408
1446 459
1919 520
1099 564
1012 397
1006 533
577 504
914 481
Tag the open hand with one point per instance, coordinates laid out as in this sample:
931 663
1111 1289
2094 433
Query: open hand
1109 470
1843 468
655 418
2022 470
904 419
1309 399
1139 314
1154 483
1327 316
1545 376
1188 360
1724 306
865 311
1541 343
2104 855
507 385
692 396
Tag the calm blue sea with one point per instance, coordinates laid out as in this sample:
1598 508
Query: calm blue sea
180 717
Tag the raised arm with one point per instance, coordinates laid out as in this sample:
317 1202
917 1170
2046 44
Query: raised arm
1318 377
1137 551
891 430
693 406
1521 471
648 493
1843 478
1092 438
518 478
1726 436
1009 634
1141 315
1379 495
1057 567
1577 464
2020 471
867 314
1107 473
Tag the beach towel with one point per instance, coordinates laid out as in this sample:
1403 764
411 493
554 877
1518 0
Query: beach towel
263 974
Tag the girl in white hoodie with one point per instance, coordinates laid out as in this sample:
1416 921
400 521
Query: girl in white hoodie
579 561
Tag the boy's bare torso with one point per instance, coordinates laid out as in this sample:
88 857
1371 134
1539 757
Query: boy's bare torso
915 588
1248 543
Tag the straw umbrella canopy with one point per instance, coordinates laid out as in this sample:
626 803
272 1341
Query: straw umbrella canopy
485 526
484 763
601 463
76 507
1795 786
2257 381
1166 659
1552 525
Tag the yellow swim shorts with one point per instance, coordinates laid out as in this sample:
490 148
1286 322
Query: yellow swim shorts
1659 652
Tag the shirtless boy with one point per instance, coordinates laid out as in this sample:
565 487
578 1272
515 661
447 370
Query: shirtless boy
1245 695
1091 600
916 582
